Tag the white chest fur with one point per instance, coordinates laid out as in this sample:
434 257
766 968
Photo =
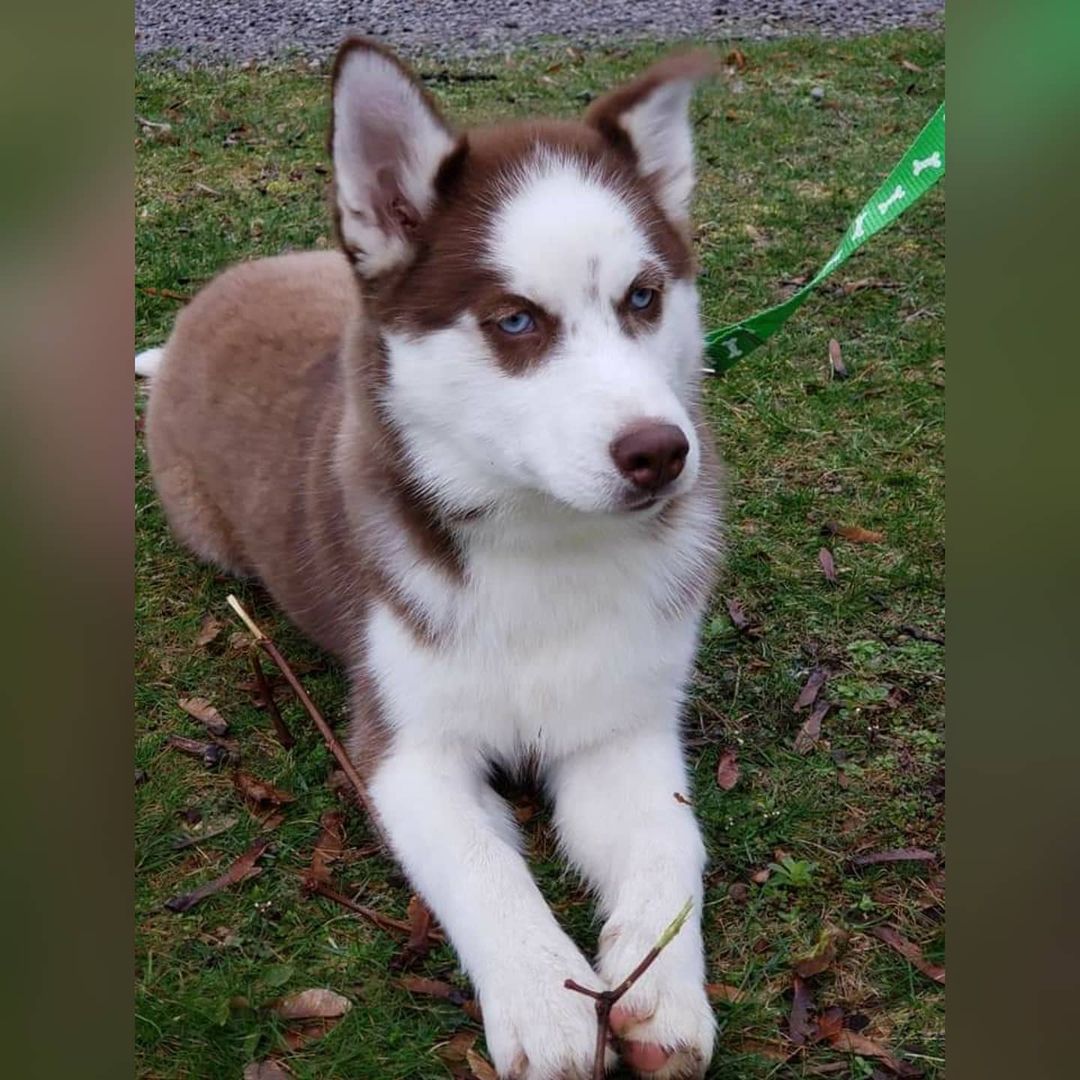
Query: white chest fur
559 638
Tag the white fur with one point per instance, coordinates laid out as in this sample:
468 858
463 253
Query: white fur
383 129
660 133
570 642
148 361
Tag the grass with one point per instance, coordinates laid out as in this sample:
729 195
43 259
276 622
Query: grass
240 172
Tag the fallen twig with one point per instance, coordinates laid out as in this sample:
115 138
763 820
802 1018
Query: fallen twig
922 635
874 858
267 645
167 294
607 999
281 729
384 922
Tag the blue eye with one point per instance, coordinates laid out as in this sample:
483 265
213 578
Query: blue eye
640 299
521 322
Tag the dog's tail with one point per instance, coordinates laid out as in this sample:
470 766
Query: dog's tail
148 362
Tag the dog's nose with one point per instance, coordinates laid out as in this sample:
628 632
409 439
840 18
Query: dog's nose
650 455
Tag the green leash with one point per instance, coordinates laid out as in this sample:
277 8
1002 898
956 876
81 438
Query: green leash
916 173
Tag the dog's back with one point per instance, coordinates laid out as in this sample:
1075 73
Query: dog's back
242 417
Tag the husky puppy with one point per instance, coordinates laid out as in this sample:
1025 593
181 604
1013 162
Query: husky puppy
465 455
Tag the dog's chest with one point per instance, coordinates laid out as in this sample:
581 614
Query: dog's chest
545 650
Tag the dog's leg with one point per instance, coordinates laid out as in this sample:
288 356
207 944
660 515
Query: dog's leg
458 844
641 848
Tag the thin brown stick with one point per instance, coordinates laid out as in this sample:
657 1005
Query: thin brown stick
271 650
607 999
384 922
281 729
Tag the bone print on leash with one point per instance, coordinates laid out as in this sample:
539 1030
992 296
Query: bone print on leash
932 162
897 194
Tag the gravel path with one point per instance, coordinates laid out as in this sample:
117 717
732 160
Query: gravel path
203 31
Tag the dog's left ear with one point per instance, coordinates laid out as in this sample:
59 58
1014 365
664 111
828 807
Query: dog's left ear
649 118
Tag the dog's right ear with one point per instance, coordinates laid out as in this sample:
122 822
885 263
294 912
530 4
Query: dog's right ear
387 141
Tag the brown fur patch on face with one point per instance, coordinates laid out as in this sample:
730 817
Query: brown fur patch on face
517 353
451 274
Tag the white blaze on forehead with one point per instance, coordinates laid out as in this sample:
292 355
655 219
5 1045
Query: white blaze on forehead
561 235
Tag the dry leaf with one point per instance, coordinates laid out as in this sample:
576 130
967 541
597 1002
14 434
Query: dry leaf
328 847
300 1033
736 59
212 753
205 713
810 732
266 1070
828 566
799 1027
241 870
859 1044
209 630
894 855
740 620
481 1068
836 361
723 992
738 617
829 1023
759 877
315 1004
909 951
419 942
259 791
416 984
682 799
808 694
821 959
727 770
907 65
855 533
453 1052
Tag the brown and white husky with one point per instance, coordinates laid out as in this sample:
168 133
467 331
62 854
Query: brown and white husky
465 455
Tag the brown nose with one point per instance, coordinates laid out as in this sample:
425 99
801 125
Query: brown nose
650 455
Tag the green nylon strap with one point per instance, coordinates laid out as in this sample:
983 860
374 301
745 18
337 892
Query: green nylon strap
917 172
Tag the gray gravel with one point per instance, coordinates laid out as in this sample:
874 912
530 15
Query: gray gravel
208 31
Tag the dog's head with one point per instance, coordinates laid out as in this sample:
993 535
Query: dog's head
533 285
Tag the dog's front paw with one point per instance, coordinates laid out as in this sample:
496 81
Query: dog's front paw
664 1022
535 1028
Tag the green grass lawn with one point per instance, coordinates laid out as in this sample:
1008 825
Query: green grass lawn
231 165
